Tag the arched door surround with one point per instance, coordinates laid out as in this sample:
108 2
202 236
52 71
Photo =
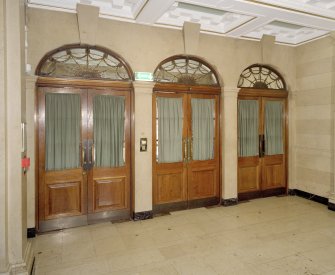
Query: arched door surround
84 105
262 133
186 134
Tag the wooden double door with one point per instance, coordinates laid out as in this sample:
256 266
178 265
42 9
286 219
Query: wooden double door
262 145
186 158
84 156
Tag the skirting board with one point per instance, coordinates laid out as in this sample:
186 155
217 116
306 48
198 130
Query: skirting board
307 195
31 232
313 197
229 202
331 206
26 266
145 215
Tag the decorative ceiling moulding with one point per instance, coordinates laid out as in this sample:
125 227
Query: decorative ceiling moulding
292 22
286 32
210 19
321 8
116 8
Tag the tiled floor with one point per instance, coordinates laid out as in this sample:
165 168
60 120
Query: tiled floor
278 235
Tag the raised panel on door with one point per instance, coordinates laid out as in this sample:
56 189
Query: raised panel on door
109 139
109 193
249 174
62 184
204 153
169 141
249 128
170 187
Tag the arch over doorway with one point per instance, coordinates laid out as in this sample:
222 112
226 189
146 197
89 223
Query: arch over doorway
187 70
258 76
186 134
83 61
84 137
262 133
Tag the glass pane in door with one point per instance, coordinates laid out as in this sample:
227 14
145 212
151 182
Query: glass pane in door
273 131
62 131
108 127
248 124
203 121
169 129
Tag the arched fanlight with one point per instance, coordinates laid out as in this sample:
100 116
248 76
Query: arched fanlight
84 61
261 77
188 70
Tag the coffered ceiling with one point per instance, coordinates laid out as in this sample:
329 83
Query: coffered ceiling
292 22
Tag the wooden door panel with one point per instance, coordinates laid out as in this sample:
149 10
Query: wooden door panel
170 187
61 193
204 175
109 187
63 199
249 174
110 193
273 172
203 183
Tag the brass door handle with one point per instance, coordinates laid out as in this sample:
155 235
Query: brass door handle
185 149
191 149
261 141
83 161
93 153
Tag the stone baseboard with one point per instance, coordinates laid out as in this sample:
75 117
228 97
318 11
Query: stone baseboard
229 202
331 206
145 215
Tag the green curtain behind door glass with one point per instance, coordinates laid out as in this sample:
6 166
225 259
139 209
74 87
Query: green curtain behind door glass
62 131
108 126
273 128
203 111
248 122
170 129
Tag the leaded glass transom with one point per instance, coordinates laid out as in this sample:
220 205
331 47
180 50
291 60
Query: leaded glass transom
83 61
261 77
185 70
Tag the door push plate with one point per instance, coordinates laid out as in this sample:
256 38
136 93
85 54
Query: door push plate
143 144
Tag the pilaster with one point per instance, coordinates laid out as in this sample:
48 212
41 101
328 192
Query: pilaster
331 198
143 160
229 142
291 140
30 120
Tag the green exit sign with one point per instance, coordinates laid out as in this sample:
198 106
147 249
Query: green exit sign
144 76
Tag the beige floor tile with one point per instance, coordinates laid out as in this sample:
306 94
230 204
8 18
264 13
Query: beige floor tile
108 246
294 264
277 235
189 265
324 257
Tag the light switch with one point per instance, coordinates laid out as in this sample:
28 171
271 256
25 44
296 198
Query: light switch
143 144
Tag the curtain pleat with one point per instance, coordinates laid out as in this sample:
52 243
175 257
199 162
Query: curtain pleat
203 111
273 128
108 126
170 129
62 131
248 124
